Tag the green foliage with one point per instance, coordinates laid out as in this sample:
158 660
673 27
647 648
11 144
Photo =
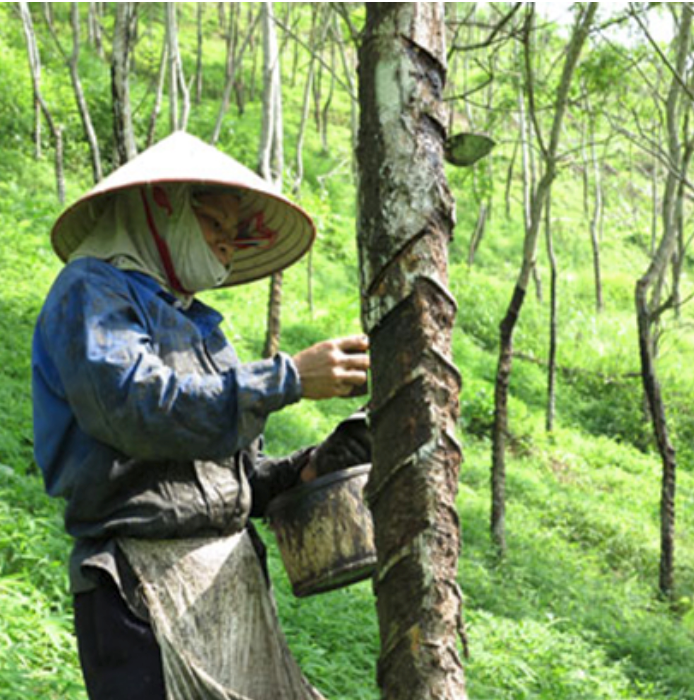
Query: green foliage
572 613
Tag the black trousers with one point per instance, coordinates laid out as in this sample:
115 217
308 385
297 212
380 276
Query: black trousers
120 657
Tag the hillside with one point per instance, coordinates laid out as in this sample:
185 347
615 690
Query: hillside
573 612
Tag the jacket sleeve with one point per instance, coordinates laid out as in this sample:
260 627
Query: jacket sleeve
269 477
123 394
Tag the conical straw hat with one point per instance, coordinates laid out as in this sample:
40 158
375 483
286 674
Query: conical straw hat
287 230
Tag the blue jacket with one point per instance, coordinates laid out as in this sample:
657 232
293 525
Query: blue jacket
144 419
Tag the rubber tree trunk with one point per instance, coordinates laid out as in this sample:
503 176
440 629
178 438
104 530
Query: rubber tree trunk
82 106
124 135
156 108
648 311
406 217
553 320
508 324
271 157
178 120
198 60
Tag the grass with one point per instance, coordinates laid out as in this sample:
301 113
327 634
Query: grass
572 613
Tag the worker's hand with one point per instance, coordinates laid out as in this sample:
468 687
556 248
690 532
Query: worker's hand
334 367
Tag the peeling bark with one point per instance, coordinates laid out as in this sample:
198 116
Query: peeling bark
406 219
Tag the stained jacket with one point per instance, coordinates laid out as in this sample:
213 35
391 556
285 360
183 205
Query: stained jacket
144 419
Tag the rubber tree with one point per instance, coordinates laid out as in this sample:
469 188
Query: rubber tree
405 222
72 62
648 303
550 155
123 131
271 156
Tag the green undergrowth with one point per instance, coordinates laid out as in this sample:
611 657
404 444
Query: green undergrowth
572 613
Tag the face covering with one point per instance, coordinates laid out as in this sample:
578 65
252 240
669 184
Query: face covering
197 267
155 231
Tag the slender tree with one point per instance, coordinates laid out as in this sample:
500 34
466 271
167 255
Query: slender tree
178 119
198 60
72 62
40 103
159 95
404 227
123 131
550 153
649 306
271 157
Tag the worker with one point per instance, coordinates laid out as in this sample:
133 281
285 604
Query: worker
149 426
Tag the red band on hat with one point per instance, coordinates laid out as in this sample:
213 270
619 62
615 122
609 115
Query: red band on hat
163 249
254 233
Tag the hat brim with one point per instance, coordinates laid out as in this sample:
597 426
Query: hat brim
182 158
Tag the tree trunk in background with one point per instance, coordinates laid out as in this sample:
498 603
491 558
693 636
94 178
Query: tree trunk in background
274 321
229 70
597 215
198 62
40 104
176 78
124 135
72 62
508 324
87 125
94 28
509 181
325 112
680 197
648 312
271 156
552 363
299 156
161 79
596 220
478 232
404 228
349 71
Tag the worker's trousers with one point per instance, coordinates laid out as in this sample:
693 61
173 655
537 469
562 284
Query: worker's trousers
120 657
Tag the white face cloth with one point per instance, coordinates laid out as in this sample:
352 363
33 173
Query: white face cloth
124 232
197 267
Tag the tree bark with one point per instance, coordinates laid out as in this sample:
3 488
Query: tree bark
299 156
176 78
271 156
94 28
325 111
508 324
82 106
124 135
553 312
198 62
596 219
349 71
405 224
156 108
648 312
229 71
